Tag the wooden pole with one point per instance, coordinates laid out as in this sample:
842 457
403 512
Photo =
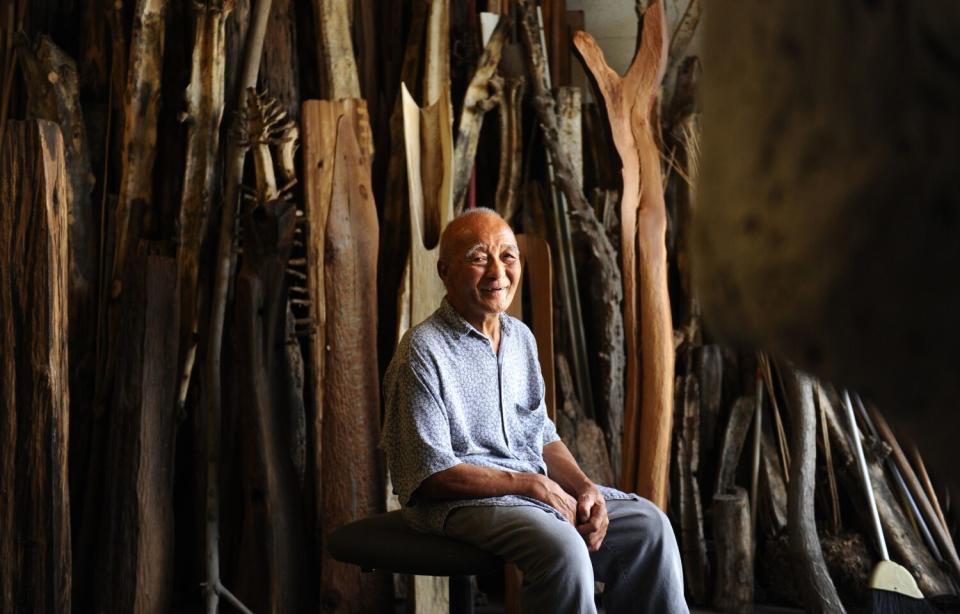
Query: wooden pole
35 569
630 100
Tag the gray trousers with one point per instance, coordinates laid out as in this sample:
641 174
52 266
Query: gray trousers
638 561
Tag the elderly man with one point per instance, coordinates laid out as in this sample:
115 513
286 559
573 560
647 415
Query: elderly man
474 456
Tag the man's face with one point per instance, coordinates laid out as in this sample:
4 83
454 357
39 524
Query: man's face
482 269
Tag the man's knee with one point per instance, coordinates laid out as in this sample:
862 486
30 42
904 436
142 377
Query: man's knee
562 551
651 527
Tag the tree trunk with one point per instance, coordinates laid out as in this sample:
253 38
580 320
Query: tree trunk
731 529
35 572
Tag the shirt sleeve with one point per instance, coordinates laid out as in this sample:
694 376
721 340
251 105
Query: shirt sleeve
549 428
416 435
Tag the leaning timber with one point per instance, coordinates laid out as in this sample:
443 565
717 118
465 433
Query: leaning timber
629 101
35 570
352 482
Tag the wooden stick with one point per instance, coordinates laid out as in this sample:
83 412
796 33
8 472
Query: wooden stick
630 101
928 486
483 93
943 540
816 588
733 440
335 51
828 458
757 436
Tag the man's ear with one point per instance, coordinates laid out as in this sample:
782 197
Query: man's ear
442 269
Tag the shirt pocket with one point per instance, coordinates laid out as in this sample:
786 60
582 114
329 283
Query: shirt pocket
530 417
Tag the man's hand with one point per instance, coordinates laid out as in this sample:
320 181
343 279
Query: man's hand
592 520
546 490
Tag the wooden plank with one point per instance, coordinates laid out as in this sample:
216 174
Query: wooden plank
35 561
630 101
352 472
319 119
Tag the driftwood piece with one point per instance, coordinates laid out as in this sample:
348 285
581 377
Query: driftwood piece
320 119
570 124
136 516
483 93
600 256
816 587
271 553
733 439
204 99
580 434
630 101
338 66
902 539
511 147
696 568
773 481
141 107
35 565
352 472
734 542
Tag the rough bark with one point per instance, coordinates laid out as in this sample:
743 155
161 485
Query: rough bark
35 571
734 539
580 434
483 93
141 107
204 98
352 472
271 555
696 568
630 101
816 587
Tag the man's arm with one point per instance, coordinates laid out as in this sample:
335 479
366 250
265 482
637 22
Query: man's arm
466 481
591 516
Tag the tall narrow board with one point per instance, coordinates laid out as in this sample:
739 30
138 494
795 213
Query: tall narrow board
352 474
34 399
648 411
319 123
538 278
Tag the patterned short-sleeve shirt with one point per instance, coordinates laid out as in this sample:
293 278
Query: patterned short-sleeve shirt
451 400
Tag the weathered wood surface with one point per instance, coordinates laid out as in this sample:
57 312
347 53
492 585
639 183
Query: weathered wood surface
511 147
271 554
135 538
696 567
320 119
338 66
141 107
35 565
352 477
648 409
580 434
204 98
773 481
816 587
734 542
483 93
280 64
733 439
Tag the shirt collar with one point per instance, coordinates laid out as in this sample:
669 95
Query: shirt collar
459 324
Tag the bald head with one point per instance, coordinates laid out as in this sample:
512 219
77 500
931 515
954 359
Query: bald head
467 222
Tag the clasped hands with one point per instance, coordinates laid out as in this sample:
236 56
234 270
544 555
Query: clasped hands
587 512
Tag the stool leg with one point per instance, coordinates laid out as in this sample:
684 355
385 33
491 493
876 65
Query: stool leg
461 595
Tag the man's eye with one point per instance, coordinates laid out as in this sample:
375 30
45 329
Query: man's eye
478 259
509 257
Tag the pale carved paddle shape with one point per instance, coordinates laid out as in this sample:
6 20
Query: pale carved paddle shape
629 102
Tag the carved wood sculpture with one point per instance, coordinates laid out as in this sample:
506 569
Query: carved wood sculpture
204 98
141 106
320 120
210 423
816 587
35 570
352 482
650 367
483 93
271 553
338 66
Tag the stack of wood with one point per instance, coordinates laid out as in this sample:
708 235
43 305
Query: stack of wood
202 308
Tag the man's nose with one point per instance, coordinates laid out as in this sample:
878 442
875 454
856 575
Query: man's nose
495 268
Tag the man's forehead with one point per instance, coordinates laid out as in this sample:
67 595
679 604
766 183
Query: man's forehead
472 236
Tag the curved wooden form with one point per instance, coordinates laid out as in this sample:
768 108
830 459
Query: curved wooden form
352 473
648 414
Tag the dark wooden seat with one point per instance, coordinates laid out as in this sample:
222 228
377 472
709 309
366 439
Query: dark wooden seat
385 543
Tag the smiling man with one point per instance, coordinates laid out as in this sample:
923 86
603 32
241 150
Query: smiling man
473 455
